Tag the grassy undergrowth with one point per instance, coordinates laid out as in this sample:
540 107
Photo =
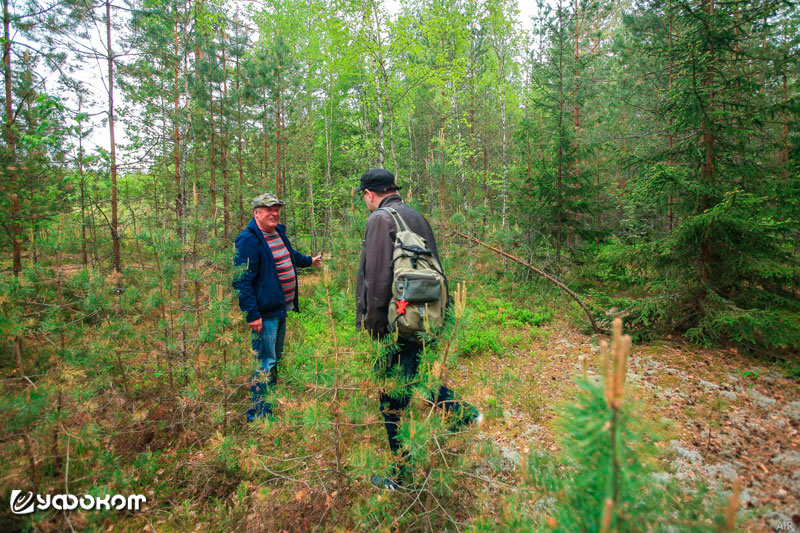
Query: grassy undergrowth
131 390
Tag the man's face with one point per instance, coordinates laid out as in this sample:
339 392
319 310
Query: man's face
267 217
370 199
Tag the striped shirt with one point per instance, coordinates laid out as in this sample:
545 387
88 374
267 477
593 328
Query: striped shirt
283 264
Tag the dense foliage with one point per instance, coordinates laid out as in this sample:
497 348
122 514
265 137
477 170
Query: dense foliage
645 153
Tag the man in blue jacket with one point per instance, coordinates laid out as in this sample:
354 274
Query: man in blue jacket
267 291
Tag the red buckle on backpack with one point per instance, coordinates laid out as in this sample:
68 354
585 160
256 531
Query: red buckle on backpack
401 307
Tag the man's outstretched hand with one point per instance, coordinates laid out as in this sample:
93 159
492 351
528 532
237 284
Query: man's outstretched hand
316 261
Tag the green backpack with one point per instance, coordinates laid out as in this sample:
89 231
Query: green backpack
419 287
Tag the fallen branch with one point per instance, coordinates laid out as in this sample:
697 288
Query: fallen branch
540 272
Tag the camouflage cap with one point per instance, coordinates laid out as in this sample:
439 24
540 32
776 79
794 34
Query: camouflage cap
266 200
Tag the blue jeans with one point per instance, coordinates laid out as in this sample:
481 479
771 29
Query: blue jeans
268 348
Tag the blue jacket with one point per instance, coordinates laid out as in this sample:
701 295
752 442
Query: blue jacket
260 293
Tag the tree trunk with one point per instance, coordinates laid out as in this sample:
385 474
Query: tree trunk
560 139
114 222
411 155
503 126
180 185
395 169
266 144
226 215
381 147
329 161
472 141
486 178
278 131
708 168
176 156
11 166
785 128
577 109
239 143
503 122
82 174
442 160
670 199
310 155
212 185
379 65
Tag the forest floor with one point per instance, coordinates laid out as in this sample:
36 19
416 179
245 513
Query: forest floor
716 415
720 415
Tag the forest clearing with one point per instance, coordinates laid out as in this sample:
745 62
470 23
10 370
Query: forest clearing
608 191
713 416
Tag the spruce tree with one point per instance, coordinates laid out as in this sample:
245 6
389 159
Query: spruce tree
725 271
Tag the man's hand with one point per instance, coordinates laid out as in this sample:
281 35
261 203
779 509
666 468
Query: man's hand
256 325
316 261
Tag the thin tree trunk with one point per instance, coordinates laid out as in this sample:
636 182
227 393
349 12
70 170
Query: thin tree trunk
461 165
114 222
708 167
184 208
226 215
486 179
11 167
472 140
528 169
378 87
505 155
180 183
329 161
239 143
266 144
278 131
56 453
395 169
411 155
212 152
34 252
381 147
577 104
29 451
501 60
670 199
309 158
560 139
785 128
82 174
442 159
176 156
577 109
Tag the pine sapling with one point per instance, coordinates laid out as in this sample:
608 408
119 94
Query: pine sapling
604 480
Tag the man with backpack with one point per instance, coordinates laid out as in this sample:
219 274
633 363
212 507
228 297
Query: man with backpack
401 289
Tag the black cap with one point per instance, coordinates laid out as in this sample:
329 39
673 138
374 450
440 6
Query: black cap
378 180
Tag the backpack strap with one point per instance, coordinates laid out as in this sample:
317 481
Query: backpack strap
399 223
417 254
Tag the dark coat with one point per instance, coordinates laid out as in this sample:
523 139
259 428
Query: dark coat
374 283
260 293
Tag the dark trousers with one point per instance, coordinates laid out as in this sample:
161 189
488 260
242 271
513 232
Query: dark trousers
392 406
